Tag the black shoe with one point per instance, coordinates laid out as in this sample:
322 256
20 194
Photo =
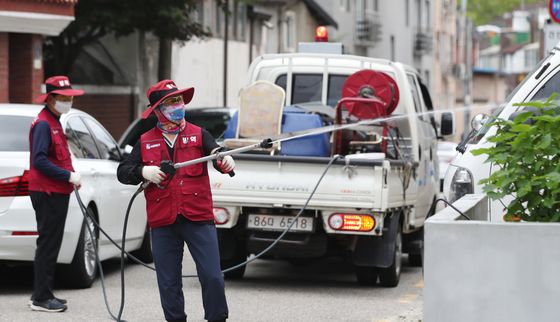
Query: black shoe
52 305
222 320
63 301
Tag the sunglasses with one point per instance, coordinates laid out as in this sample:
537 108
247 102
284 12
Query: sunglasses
174 100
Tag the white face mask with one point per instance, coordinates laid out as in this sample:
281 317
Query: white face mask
62 107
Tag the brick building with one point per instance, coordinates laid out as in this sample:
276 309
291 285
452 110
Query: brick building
23 23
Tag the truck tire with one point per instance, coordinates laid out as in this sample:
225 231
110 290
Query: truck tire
366 276
144 253
233 251
390 276
237 274
82 271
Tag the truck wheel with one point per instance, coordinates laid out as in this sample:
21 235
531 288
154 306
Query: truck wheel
144 253
82 271
366 276
237 259
389 276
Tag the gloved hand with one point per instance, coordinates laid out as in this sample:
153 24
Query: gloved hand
226 164
75 179
153 174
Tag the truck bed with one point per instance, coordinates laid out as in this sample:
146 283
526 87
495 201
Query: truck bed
287 181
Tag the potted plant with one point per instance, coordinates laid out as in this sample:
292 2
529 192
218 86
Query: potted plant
526 151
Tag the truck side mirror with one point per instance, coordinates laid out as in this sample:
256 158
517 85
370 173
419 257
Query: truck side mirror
478 121
447 126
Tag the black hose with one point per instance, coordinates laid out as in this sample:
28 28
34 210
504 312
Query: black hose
123 252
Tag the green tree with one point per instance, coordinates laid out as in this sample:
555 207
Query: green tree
167 19
484 11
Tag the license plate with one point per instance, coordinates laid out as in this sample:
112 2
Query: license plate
267 222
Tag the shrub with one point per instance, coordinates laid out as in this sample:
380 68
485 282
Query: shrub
526 152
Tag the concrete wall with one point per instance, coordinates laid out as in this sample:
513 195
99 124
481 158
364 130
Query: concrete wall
486 271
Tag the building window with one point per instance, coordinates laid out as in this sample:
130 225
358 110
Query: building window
239 20
419 16
289 32
199 12
407 12
428 15
218 20
345 5
376 5
393 48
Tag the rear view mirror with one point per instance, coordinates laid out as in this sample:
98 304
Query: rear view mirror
447 127
478 121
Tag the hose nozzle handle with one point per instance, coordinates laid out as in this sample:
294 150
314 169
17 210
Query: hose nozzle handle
266 144
167 167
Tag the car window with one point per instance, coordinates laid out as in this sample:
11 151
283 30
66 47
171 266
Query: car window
414 92
214 122
80 141
551 86
305 87
14 132
104 141
335 89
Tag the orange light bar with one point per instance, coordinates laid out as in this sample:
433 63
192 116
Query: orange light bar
352 222
321 34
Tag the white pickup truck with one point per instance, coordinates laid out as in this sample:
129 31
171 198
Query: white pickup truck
369 208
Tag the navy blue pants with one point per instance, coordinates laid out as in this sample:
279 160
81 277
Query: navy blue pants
167 248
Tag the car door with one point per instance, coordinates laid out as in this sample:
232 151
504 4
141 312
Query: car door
113 195
426 154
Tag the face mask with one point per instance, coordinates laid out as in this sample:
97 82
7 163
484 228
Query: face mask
174 113
62 107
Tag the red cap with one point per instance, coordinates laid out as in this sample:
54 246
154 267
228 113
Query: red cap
58 85
162 90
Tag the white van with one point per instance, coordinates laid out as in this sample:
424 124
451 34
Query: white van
466 171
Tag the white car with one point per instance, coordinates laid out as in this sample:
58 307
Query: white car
95 155
466 171
446 153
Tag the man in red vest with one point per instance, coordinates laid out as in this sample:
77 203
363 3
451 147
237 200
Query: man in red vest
179 206
51 180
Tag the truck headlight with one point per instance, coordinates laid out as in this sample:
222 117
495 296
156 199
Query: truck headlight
461 184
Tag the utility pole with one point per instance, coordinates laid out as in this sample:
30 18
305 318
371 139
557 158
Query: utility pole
226 40
464 59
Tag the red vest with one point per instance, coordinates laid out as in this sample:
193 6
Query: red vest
188 192
58 154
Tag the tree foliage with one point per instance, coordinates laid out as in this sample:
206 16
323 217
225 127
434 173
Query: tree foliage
167 19
484 11
526 151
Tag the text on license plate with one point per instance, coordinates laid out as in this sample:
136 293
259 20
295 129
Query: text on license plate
268 222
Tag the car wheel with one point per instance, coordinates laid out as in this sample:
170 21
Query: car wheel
366 276
82 271
144 253
390 276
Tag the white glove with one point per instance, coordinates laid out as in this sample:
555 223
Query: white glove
226 164
75 179
153 174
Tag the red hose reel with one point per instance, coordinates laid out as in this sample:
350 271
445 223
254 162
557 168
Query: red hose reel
378 87
366 95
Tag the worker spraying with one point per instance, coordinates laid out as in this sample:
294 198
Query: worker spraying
179 205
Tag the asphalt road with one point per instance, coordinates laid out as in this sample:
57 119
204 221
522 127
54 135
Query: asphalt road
270 291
